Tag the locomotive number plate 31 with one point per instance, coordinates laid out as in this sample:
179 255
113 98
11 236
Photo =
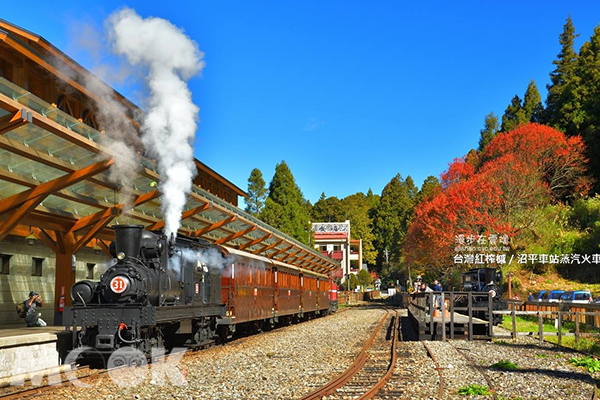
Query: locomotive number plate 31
119 284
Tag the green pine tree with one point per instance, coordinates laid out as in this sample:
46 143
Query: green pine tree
257 192
532 105
393 217
514 115
364 279
285 207
490 128
357 209
582 109
429 188
327 209
559 103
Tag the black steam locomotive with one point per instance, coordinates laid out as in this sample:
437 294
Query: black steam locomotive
484 280
157 287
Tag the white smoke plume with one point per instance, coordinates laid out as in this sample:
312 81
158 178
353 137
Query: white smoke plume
119 135
169 127
121 138
212 258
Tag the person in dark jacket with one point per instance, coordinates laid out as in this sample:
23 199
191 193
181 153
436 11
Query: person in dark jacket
32 317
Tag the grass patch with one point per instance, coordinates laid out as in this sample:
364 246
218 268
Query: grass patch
526 324
474 390
530 324
505 365
541 356
590 363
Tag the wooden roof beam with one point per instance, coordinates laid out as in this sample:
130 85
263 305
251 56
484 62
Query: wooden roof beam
236 235
251 243
288 256
184 215
92 232
16 216
54 185
15 120
105 248
46 239
268 247
214 226
280 251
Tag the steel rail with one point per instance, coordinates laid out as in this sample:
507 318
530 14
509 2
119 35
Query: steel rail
437 368
351 371
479 369
385 378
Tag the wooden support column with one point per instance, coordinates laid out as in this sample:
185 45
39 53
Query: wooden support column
65 272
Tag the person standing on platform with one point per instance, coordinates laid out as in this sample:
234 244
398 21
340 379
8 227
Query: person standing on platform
32 317
437 287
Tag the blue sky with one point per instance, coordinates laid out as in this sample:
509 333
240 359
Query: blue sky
348 93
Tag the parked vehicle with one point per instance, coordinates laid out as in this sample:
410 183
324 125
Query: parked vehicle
577 296
542 295
554 296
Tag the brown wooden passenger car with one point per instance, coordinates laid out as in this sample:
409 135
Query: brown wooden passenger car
260 291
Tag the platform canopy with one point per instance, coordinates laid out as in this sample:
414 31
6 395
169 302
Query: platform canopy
54 183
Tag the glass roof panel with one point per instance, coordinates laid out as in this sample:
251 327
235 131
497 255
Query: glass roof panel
46 109
28 168
126 220
78 209
90 189
45 142
8 189
149 210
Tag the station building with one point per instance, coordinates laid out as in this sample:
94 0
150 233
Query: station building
56 200
333 240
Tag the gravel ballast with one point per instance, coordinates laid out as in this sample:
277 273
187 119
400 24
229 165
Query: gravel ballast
283 364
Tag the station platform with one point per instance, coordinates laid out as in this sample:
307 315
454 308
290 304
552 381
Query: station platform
24 349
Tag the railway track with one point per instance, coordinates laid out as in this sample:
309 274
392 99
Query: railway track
48 383
479 368
372 368
85 373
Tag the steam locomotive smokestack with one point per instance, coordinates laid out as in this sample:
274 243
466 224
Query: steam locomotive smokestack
128 239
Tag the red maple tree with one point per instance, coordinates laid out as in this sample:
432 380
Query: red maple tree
495 191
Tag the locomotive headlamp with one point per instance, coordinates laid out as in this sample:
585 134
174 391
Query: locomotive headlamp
121 255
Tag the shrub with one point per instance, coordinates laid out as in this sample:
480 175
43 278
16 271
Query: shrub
590 363
505 365
474 390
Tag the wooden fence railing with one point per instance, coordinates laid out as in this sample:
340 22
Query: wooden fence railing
432 308
449 305
587 314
